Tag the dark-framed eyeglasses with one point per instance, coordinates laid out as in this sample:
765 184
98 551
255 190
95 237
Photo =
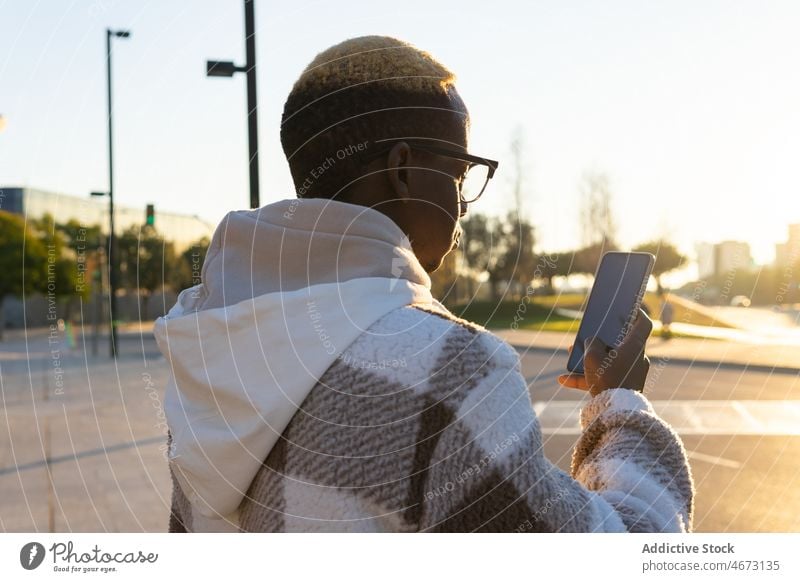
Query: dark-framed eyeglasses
471 184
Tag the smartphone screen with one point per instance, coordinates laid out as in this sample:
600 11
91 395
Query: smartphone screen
614 301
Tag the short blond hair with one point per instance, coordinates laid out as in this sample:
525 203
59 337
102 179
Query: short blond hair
357 91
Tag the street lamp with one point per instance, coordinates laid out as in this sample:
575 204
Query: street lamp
112 263
97 279
227 69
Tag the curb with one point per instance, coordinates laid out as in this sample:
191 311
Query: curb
743 366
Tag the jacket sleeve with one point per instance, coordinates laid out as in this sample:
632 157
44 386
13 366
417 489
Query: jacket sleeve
487 470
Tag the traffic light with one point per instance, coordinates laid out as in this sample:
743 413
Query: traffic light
150 215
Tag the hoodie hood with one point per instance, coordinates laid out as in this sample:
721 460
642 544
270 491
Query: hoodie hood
285 289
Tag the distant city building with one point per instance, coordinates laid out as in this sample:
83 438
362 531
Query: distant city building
788 253
719 259
182 229
705 260
731 256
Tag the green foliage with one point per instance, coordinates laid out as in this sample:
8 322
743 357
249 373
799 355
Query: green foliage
519 261
501 247
188 265
81 238
476 242
65 269
529 315
588 258
668 258
146 259
22 257
552 265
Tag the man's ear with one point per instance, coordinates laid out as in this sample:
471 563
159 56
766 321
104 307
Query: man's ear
396 166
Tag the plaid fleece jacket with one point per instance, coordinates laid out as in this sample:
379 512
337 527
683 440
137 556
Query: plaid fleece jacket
425 424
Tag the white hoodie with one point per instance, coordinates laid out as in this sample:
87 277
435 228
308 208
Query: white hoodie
285 289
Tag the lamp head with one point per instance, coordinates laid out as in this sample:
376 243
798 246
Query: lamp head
220 68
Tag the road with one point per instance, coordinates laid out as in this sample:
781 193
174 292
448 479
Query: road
81 439
741 429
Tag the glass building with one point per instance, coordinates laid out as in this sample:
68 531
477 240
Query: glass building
182 229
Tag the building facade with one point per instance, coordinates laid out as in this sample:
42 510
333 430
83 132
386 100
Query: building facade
182 229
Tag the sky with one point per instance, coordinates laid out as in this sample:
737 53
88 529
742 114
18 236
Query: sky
690 108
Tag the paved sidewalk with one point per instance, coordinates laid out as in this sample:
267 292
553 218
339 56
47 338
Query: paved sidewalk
768 357
82 438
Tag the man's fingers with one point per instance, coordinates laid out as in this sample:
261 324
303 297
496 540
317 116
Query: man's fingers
577 381
594 353
642 327
594 345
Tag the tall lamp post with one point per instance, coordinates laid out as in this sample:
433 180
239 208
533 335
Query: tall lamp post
227 69
113 268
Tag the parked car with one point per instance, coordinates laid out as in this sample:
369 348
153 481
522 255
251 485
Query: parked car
740 301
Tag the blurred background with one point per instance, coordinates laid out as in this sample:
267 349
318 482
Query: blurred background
670 128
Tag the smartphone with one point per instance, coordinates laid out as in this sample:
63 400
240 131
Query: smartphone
614 302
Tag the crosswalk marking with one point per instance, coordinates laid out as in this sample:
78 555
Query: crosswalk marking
714 460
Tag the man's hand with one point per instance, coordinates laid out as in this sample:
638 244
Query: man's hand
605 367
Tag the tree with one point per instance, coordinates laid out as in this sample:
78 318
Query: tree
146 259
596 218
476 242
189 264
552 265
518 164
519 259
484 249
668 257
475 247
499 267
444 281
22 260
501 247
65 272
80 237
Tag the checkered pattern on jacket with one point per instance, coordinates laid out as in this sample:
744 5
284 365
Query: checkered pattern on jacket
425 423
